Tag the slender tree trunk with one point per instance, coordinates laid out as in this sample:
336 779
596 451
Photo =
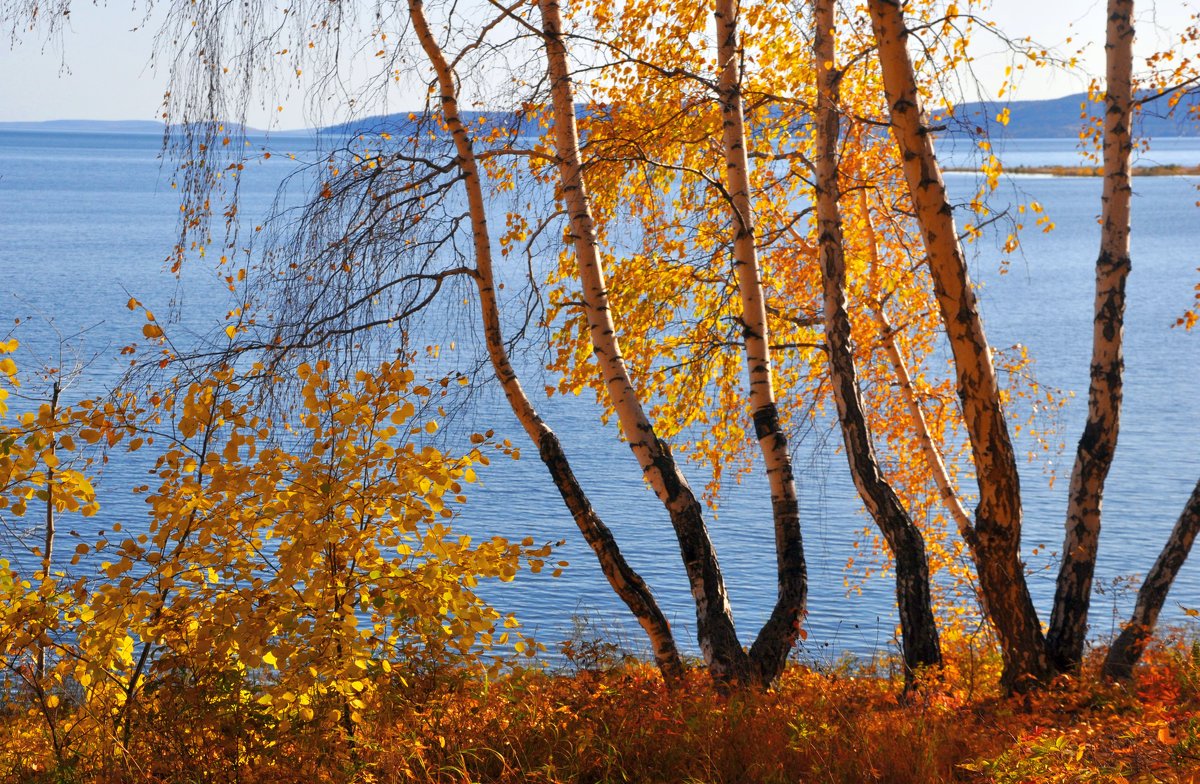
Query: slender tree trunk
996 542
887 334
627 583
1130 644
1068 623
918 628
768 654
48 543
714 619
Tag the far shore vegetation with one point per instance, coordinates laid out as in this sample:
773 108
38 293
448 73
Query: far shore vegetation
1168 170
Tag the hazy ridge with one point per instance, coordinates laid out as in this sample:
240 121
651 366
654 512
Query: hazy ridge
1052 118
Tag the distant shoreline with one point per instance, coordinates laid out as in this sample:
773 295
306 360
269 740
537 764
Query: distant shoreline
1169 170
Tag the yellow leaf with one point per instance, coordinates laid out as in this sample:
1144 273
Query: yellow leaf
270 660
124 650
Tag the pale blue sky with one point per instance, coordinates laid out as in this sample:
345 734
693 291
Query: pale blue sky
103 71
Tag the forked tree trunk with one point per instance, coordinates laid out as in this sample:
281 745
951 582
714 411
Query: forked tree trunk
918 628
1094 455
714 619
996 541
624 580
1130 644
768 654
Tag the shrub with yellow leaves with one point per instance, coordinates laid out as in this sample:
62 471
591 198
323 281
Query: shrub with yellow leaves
286 569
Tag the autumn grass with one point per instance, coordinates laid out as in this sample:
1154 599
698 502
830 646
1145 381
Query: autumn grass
840 725
1168 170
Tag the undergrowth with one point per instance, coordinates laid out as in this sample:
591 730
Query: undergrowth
619 724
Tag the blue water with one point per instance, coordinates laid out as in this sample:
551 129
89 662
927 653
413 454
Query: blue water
86 221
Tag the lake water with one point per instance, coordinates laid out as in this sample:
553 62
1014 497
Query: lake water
86 220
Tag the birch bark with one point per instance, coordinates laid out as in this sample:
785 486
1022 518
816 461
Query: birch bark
996 540
1094 455
919 634
626 582
1131 642
722 650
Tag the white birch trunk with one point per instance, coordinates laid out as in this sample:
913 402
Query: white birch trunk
1068 623
996 542
769 653
623 579
715 629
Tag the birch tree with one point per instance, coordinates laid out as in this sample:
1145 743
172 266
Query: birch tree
1152 595
1098 444
995 537
715 628
626 582
919 630
775 641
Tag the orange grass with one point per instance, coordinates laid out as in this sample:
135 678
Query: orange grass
621 725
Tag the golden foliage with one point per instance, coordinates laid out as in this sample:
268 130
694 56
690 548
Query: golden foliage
290 566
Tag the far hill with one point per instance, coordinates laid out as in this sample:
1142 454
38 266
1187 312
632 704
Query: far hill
86 126
1060 118
118 126
1046 119
402 123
